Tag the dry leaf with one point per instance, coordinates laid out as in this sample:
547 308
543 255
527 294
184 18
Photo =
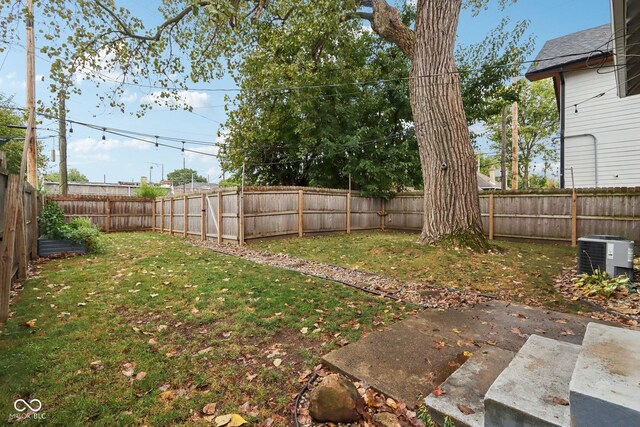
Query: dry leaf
167 395
140 375
31 323
210 409
277 362
304 330
468 354
438 392
560 401
465 409
236 421
128 369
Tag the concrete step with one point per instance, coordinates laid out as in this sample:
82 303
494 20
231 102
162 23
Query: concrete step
466 387
534 389
605 386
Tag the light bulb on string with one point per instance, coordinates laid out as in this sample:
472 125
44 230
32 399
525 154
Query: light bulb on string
70 127
156 142
182 146
103 134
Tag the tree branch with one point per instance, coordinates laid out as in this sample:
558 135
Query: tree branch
159 30
387 23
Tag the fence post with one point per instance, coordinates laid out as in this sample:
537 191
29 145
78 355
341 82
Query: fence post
162 200
219 217
34 223
574 218
383 214
241 217
21 241
8 244
349 213
107 226
185 208
300 212
203 218
153 215
491 206
171 216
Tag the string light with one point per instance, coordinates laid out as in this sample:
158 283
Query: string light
71 128
103 134
156 141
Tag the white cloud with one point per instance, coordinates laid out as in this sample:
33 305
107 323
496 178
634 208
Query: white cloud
129 97
181 99
91 146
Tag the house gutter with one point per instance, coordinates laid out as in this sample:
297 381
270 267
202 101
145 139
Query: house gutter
562 127
595 151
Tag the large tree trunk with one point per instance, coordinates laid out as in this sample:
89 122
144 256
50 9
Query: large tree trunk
451 203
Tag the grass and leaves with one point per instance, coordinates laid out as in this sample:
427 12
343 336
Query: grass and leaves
153 330
600 283
520 272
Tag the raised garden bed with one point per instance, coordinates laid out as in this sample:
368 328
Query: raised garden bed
52 247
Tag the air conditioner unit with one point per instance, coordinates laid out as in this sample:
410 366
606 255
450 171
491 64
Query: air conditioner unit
605 253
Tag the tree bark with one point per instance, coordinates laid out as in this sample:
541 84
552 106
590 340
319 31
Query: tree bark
451 202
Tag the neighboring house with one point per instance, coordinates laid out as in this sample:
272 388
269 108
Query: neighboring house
599 131
626 26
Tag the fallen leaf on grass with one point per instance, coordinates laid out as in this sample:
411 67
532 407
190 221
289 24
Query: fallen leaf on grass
465 409
140 375
304 330
277 362
31 323
210 409
128 369
230 420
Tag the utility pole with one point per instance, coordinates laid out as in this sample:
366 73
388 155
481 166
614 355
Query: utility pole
503 164
62 141
32 167
514 141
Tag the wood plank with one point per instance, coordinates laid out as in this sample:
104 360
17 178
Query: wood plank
348 213
574 218
300 213
162 200
491 206
171 216
7 249
107 208
153 215
219 230
185 208
203 217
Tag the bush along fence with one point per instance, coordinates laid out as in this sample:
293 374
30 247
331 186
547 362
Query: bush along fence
18 232
237 216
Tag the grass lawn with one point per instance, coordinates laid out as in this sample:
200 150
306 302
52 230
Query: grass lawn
174 328
521 272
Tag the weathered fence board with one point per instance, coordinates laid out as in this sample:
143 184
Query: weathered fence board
109 213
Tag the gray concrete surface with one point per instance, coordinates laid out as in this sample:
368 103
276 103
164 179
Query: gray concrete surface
409 357
463 400
534 389
605 386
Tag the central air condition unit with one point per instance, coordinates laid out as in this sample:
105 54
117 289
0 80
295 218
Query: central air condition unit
605 253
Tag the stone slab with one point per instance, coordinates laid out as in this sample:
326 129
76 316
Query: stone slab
605 387
408 358
463 401
534 389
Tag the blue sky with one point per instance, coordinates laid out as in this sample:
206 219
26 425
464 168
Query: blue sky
122 159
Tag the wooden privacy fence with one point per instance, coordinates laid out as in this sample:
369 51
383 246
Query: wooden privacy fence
261 212
109 213
18 232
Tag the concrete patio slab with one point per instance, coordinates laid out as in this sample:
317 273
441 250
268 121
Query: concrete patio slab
416 355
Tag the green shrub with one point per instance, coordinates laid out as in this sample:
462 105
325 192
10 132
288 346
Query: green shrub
600 283
51 221
80 230
150 191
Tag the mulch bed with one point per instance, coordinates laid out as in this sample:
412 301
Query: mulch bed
622 307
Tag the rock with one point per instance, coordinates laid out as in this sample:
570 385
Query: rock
386 419
335 400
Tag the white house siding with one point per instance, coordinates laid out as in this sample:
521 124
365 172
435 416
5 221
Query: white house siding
614 121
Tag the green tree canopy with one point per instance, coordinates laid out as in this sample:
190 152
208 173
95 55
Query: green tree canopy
538 123
73 175
184 176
